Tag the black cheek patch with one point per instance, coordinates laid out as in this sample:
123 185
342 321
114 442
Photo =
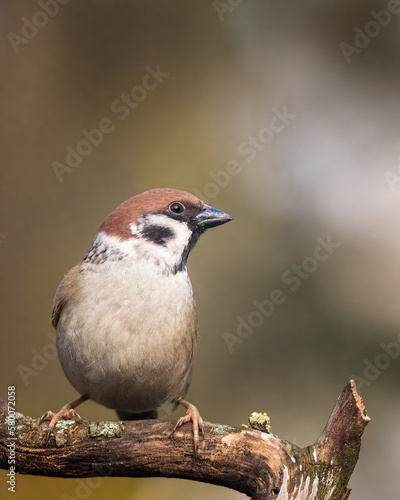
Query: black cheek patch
157 234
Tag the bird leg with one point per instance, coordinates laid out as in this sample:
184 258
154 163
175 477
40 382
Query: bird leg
192 414
67 412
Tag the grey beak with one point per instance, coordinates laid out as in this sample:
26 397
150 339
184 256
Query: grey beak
211 217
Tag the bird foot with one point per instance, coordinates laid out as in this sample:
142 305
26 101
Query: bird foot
192 414
67 412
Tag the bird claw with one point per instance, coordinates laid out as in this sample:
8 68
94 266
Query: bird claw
192 414
46 416
66 413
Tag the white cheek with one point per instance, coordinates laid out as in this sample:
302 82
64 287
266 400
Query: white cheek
172 250
181 232
182 235
146 252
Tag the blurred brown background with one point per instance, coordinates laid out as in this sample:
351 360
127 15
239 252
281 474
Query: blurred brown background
230 66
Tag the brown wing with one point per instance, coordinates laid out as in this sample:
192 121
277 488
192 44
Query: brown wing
58 305
64 293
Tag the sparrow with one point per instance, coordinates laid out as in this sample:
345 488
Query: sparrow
125 316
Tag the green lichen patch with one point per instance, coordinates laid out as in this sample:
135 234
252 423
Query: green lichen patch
260 422
59 431
222 430
106 429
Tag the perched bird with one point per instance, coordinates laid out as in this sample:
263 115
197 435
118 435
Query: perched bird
126 316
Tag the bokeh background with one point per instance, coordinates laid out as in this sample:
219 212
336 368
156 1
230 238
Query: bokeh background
332 170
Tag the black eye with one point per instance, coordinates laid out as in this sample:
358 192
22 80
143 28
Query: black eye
176 207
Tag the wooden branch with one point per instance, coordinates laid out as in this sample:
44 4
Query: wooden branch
245 459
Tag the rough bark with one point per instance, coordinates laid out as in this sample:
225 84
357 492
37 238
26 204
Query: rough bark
245 459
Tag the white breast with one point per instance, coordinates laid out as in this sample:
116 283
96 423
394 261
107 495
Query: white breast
127 338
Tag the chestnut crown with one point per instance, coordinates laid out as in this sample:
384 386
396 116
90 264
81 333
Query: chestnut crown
173 203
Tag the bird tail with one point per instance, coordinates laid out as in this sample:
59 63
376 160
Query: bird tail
126 415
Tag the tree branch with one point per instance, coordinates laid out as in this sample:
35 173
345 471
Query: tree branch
245 459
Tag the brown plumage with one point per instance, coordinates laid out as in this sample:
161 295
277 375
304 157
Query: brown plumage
126 316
